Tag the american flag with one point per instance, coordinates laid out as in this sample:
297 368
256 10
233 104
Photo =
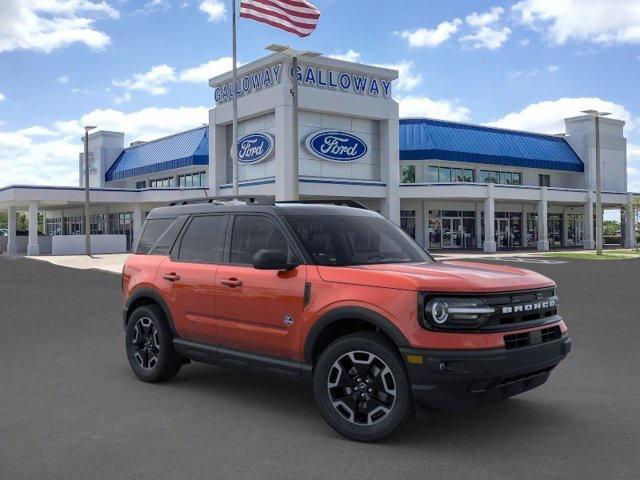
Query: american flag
294 16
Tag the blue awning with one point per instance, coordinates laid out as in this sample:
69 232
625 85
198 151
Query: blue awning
427 139
183 149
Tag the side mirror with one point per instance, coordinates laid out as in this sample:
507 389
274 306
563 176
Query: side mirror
271 260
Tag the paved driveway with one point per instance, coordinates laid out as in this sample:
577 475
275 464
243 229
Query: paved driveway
71 409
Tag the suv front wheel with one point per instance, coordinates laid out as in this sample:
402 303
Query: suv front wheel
149 345
361 387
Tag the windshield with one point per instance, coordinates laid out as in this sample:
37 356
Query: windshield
344 240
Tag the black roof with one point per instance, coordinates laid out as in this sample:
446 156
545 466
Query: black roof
282 208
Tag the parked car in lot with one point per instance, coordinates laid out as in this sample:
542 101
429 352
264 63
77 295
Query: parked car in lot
4 232
341 298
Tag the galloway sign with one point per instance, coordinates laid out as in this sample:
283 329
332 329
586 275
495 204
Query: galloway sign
308 76
336 146
255 148
248 84
331 79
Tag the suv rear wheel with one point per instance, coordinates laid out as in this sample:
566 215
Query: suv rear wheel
150 346
361 387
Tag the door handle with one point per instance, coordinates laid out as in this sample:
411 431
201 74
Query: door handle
231 282
172 277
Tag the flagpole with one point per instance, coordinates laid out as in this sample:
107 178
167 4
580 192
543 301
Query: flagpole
234 144
295 194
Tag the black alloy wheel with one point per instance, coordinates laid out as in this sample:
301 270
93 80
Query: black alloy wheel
362 388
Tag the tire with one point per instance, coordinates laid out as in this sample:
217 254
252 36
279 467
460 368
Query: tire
362 388
149 345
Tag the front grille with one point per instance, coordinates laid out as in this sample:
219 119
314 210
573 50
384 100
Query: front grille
526 339
516 308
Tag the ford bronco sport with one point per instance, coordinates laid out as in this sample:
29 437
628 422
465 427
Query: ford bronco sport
339 297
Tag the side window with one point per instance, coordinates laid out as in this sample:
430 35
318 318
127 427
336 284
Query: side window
204 239
153 229
167 239
252 233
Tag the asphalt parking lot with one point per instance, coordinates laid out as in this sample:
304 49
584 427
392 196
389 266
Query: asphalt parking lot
71 409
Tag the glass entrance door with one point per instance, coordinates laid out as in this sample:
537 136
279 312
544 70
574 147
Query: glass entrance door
504 236
452 233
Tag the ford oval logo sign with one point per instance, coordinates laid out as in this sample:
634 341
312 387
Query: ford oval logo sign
255 148
336 146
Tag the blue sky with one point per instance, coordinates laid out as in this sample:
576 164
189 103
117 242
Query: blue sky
142 66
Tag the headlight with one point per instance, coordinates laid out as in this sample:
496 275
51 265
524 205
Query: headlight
443 313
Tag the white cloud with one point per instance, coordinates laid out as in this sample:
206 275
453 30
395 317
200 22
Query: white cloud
45 25
63 79
486 18
48 155
349 56
595 21
120 99
420 106
214 9
526 75
203 72
548 116
487 37
424 37
154 81
407 78
2 96
525 42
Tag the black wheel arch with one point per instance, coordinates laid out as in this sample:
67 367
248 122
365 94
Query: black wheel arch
331 318
147 296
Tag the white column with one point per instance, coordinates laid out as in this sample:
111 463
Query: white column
543 240
489 245
629 224
33 248
137 222
218 150
390 165
565 226
589 242
419 222
284 155
478 226
425 216
12 245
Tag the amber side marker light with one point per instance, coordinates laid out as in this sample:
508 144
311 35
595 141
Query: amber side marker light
415 359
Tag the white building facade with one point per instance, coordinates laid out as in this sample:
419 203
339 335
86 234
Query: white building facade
449 185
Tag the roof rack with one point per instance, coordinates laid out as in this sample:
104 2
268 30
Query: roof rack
331 201
221 200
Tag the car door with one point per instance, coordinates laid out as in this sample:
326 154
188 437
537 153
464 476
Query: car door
186 279
259 310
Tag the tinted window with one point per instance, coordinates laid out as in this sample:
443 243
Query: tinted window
167 239
203 240
252 233
355 240
153 229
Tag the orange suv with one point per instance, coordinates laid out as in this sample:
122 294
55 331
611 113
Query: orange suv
341 298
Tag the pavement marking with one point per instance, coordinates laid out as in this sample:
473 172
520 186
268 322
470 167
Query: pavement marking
528 260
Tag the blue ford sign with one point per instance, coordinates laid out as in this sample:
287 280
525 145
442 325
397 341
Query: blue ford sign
336 146
255 148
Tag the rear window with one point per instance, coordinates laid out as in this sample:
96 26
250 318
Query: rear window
159 235
151 233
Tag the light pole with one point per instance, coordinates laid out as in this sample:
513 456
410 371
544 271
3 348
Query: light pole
596 114
295 146
87 217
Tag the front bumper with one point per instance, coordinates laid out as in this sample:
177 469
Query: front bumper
455 379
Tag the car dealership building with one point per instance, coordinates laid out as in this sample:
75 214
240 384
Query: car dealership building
449 185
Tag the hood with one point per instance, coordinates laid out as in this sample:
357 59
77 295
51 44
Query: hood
451 276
